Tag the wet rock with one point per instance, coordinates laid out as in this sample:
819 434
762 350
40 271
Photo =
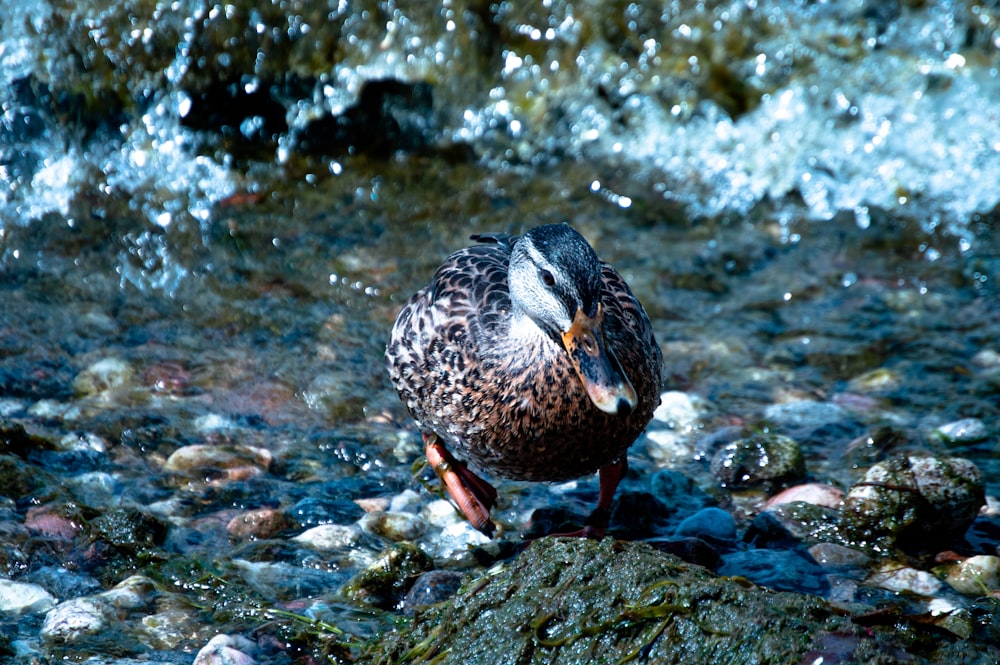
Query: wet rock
22 597
227 650
904 579
834 555
64 583
678 410
678 491
805 414
781 570
262 523
711 524
793 523
131 593
310 512
441 513
385 582
455 543
759 460
817 494
912 502
431 588
73 619
19 480
200 459
393 526
103 376
58 520
692 550
967 430
330 536
637 515
975 576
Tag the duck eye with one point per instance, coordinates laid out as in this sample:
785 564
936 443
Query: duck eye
547 278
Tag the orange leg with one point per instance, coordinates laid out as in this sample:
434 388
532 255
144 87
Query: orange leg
473 495
597 522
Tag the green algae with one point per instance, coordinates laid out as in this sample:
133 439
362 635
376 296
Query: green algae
572 601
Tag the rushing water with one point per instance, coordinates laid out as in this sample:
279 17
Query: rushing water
210 216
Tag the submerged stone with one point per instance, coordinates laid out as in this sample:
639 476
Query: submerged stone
385 582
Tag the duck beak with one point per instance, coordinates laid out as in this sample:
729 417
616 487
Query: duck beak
605 382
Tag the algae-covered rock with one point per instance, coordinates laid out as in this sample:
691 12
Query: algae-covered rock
385 582
576 601
913 501
762 459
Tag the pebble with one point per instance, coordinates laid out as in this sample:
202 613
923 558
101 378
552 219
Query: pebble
903 579
227 650
966 430
780 570
975 576
666 446
386 581
760 459
817 494
834 555
131 593
64 583
712 524
327 537
198 458
258 524
103 376
23 597
455 543
75 618
58 521
908 500
393 526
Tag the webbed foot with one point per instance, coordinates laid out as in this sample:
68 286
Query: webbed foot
473 496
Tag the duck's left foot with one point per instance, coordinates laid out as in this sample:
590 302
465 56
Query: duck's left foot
595 525
473 495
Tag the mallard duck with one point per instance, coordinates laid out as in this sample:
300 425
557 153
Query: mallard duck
526 357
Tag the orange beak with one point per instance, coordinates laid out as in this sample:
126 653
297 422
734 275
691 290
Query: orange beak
603 379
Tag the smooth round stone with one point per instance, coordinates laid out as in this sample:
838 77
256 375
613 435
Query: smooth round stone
21 597
902 579
326 537
73 619
393 526
81 442
833 555
102 376
967 430
780 570
708 523
227 650
454 543
131 593
975 576
912 500
761 459
258 524
817 494
199 457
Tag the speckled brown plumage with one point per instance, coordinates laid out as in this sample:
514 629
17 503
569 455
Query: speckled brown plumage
507 400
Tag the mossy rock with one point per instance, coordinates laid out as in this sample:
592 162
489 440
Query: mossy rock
576 601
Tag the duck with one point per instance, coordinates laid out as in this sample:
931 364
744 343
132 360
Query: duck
526 357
